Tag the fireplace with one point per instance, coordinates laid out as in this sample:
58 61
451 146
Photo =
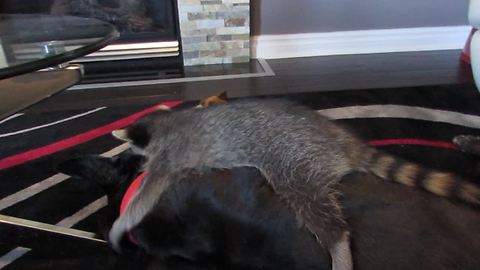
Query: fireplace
149 34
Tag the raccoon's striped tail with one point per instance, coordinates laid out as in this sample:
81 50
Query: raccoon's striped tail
409 174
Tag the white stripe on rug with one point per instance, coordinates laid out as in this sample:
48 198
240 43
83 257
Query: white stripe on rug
11 117
68 222
49 182
12 255
401 111
83 213
52 123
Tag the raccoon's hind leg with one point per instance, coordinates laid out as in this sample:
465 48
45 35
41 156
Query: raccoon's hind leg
323 217
342 253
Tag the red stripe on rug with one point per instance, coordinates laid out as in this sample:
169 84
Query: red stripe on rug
441 144
42 151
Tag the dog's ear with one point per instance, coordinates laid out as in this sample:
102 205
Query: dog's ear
128 163
107 172
88 167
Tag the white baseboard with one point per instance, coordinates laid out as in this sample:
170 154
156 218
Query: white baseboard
360 42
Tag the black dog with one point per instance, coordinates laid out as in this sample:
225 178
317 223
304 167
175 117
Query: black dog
218 220
233 220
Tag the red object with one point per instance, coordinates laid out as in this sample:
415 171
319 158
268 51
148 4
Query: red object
465 56
440 144
48 149
132 189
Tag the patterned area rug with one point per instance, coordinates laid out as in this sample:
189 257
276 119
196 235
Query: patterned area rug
414 123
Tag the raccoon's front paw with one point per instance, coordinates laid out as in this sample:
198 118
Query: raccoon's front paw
468 143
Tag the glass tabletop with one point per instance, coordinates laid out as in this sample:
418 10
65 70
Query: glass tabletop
32 42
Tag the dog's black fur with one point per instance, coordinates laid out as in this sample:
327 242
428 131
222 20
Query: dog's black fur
216 220
232 220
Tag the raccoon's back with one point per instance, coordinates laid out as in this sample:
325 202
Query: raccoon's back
272 118
282 135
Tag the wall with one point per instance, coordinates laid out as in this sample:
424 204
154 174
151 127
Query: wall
308 16
214 31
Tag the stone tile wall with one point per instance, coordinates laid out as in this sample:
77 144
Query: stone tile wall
215 31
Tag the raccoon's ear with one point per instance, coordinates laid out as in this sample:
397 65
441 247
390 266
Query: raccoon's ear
121 134
138 134
163 108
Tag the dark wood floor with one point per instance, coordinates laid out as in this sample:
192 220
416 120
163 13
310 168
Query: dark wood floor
295 75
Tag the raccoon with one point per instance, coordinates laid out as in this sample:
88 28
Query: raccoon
300 153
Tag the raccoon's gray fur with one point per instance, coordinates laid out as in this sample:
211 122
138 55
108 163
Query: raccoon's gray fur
300 153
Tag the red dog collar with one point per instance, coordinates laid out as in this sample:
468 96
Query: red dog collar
128 196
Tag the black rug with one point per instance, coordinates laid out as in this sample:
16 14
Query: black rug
414 123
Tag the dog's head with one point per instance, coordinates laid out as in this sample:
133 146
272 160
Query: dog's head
214 220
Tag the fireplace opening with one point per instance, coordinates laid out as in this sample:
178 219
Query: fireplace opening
149 43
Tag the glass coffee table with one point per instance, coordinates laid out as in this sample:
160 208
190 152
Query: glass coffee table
35 51
34 55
